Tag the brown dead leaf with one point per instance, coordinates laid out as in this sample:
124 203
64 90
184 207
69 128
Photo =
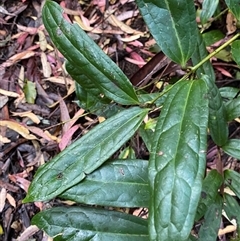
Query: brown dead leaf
28 232
47 71
28 114
9 93
116 23
231 23
11 200
22 130
15 58
3 195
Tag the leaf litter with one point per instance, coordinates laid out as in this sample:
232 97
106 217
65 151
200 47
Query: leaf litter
34 127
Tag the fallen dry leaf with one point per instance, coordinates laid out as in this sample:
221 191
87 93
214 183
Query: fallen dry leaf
22 130
28 114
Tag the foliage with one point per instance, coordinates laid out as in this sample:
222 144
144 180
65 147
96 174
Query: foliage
172 183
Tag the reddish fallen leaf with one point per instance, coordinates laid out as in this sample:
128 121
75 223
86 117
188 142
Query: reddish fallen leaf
67 137
21 182
223 71
15 58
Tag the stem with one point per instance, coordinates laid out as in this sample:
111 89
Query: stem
194 68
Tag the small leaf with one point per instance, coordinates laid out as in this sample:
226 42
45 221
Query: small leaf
177 161
83 223
120 183
232 148
233 5
86 57
167 23
208 9
232 209
212 220
235 49
30 92
232 180
218 125
209 193
85 155
228 92
233 109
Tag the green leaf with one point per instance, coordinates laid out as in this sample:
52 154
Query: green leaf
228 92
177 161
212 219
218 125
85 155
232 148
232 210
232 180
233 109
83 223
235 49
85 56
30 92
173 26
233 5
209 193
121 183
199 55
208 9
212 36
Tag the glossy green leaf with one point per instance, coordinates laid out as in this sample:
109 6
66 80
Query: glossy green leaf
218 125
121 183
85 155
232 180
211 223
83 223
232 148
84 55
212 36
96 104
228 92
208 9
235 49
232 209
233 109
233 5
173 26
30 92
177 161
209 194
200 54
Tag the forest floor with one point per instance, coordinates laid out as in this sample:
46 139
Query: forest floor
38 105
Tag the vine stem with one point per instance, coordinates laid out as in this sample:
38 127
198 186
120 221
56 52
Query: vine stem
194 68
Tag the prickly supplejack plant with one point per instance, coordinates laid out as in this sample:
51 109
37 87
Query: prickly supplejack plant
173 183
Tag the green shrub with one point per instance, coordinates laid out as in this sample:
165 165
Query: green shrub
172 184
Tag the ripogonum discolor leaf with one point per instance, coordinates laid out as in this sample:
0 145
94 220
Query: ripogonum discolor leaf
218 125
177 161
233 5
85 155
235 49
167 22
208 9
209 194
85 55
119 183
232 148
199 54
233 108
232 180
211 223
85 223
232 209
